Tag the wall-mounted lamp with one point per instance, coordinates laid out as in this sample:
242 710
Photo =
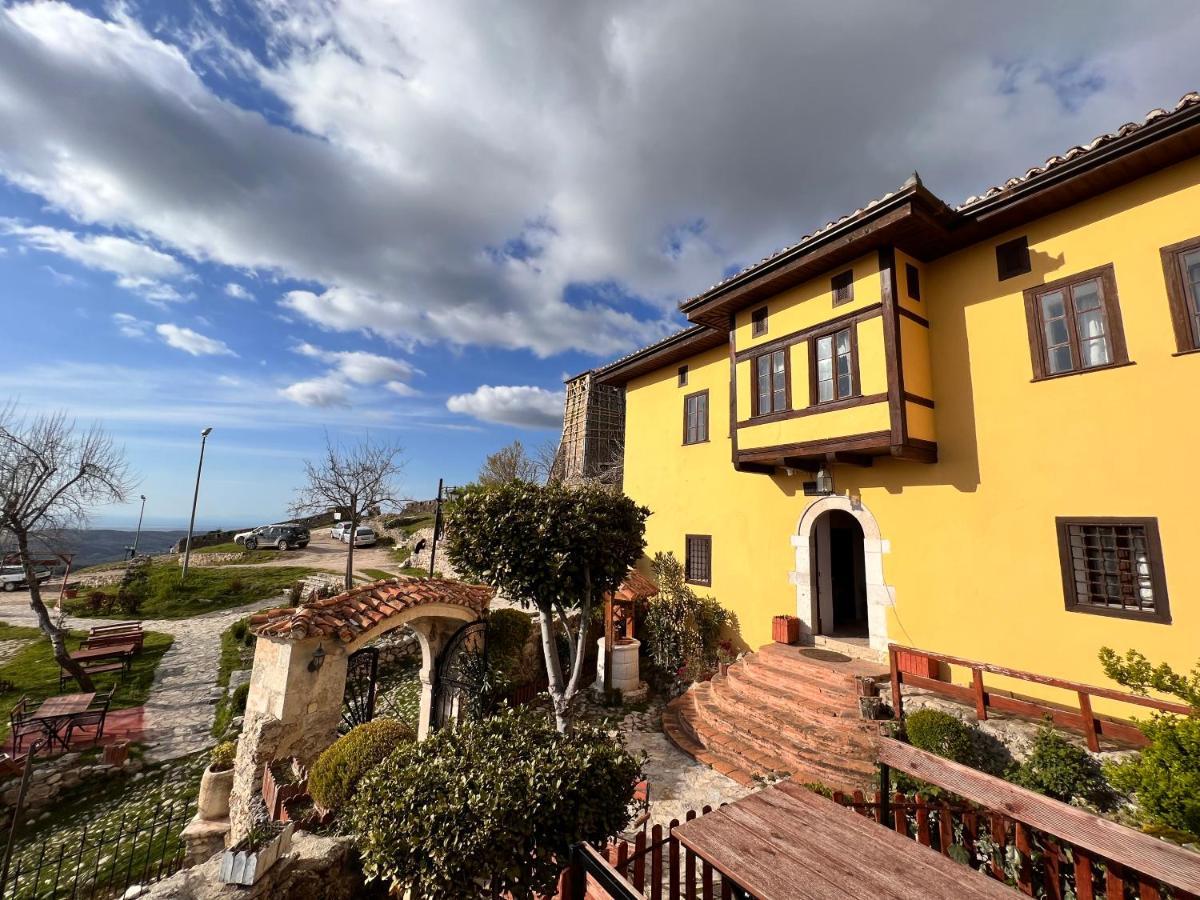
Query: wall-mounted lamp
824 481
318 659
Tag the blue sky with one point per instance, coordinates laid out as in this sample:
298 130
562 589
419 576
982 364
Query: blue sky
291 218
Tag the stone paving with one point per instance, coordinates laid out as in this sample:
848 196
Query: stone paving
180 709
8 649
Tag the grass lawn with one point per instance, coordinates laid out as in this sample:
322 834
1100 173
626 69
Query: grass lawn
34 672
206 590
377 574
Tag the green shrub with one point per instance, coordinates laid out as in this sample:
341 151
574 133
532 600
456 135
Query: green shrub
498 801
222 756
937 732
1165 776
1062 770
338 769
683 630
508 632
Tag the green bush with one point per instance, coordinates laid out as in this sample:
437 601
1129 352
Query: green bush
339 768
683 630
937 732
1062 770
490 808
508 632
1165 777
222 756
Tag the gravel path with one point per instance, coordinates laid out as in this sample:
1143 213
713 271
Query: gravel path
180 709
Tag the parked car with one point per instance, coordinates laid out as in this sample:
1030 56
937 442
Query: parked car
284 536
338 531
364 537
13 577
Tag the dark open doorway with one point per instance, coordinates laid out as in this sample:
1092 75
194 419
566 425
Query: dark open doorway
841 584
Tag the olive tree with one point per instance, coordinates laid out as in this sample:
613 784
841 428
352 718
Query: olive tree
560 549
51 475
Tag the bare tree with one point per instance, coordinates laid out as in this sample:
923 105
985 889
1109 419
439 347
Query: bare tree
507 464
51 475
354 479
545 456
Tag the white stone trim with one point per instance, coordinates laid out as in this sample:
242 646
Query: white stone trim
880 595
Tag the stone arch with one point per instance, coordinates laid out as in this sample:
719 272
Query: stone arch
880 595
294 706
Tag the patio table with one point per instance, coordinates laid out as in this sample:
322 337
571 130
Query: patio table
55 711
116 651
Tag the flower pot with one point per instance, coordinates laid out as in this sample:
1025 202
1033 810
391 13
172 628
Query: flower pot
276 794
785 630
246 867
215 788
116 754
723 668
915 664
307 815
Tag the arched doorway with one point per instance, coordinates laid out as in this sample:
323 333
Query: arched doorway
839 578
840 591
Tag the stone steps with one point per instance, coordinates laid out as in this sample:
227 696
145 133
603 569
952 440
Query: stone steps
780 712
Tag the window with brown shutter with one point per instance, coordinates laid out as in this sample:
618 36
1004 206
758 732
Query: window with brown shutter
758 322
683 376
842 287
1075 324
772 392
697 559
695 418
1181 266
912 278
1113 567
1012 258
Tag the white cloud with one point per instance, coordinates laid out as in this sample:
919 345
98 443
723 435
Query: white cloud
138 267
433 180
523 406
329 390
237 292
192 342
400 389
131 326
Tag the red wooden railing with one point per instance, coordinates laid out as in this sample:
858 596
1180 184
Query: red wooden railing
1082 719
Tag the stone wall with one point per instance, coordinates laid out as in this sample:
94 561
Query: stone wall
51 779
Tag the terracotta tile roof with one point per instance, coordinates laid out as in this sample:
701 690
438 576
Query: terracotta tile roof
683 334
1190 99
348 615
636 586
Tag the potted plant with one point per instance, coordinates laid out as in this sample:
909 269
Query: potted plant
726 656
217 783
282 780
302 810
785 630
254 855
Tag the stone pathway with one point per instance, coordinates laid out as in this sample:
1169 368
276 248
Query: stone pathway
8 649
180 709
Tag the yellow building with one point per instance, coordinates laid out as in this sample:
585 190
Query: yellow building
1005 396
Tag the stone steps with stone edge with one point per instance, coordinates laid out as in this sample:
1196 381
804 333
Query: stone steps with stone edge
779 711
678 734
799 749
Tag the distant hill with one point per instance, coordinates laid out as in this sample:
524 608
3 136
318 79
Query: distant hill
93 546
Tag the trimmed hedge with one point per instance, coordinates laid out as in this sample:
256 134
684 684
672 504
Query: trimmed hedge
508 632
338 769
1060 769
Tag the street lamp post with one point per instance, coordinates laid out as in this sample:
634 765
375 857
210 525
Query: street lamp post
187 550
138 534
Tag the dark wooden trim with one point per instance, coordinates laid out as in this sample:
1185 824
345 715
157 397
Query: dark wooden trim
891 345
918 400
848 403
843 281
795 337
707 418
758 321
915 317
1012 258
1186 352
873 440
787 381
916 450
733 440
687 540
1158 575
1109 301
912 281
1187 336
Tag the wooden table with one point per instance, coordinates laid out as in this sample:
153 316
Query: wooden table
56 710
116 651
787 842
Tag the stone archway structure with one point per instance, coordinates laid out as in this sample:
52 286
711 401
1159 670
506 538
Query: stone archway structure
880 595
294 705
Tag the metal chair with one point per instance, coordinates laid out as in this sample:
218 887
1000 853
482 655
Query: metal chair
22 725
92 717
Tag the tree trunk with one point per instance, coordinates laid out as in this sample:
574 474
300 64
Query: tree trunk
562 715
56 635
350 544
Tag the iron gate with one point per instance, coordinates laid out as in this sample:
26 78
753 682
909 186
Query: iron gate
362 683
462 687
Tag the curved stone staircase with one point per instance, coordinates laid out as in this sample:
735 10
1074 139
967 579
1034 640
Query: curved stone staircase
784 710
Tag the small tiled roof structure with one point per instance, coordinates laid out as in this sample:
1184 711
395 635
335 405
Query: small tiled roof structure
356 611
636 586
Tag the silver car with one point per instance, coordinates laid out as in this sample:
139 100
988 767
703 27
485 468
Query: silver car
364 537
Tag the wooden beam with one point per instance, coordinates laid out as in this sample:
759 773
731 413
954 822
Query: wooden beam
852 459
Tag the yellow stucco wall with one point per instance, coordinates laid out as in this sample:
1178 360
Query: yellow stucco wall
972 552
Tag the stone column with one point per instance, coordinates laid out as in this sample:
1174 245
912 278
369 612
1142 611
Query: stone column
432 634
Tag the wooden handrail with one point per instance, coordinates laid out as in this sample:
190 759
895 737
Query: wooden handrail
587 861
1139 852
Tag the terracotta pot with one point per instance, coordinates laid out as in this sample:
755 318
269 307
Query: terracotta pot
116 754
215 788
723 668
785 630
913 664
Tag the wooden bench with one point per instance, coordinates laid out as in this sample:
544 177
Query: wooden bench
97 668
137 638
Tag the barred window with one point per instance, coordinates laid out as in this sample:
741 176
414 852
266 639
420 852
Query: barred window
843 287
695 418
697 561
1113 567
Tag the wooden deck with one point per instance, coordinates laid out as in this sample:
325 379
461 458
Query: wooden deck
787 842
